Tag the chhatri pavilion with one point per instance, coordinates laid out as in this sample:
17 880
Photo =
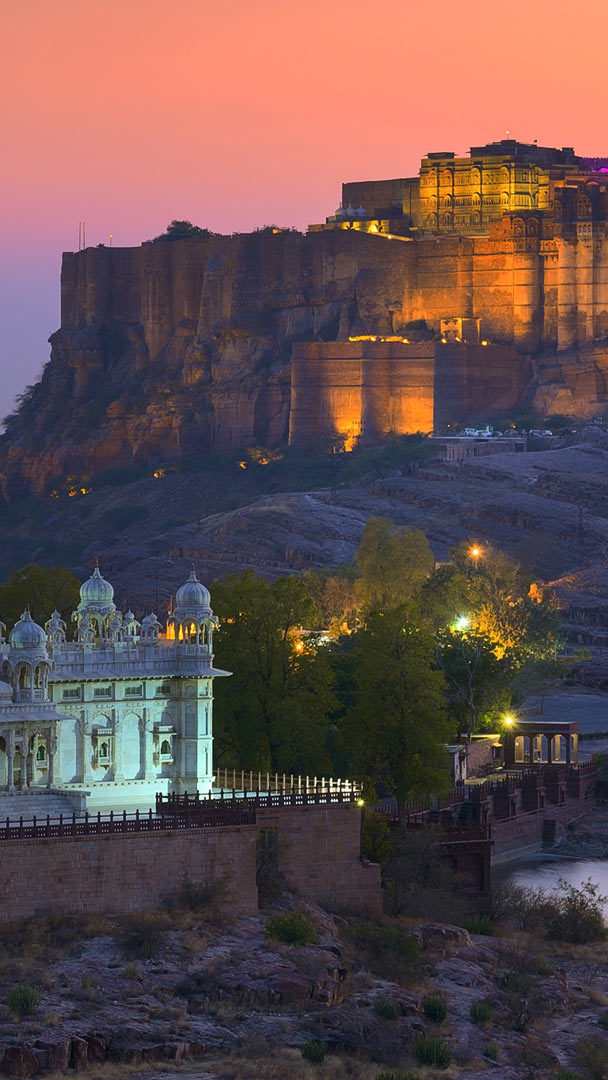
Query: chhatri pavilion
107 720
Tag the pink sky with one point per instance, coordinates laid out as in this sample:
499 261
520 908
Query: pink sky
128 113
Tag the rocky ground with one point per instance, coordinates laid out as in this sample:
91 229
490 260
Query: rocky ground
192 994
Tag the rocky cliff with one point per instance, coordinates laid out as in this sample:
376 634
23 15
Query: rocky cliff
180 346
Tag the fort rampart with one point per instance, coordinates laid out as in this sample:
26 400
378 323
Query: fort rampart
317 850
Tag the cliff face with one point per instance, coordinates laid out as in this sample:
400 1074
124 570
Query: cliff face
176 347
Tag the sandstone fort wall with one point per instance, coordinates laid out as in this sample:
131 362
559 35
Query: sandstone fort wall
318 855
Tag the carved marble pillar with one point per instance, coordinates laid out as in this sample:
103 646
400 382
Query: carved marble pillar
10 760
52 744
24 762
85 731
118 773
146 731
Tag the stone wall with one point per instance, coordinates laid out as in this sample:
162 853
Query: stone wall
318 850
319 853
122 873
368 389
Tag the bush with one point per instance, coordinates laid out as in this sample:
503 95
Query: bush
572 914
518 981
386 1008
196 896
431 1050
492 1050
389 951
592 1055
544 967
293 928
314 1052
142 936
576 914
478 924
22 1000
435 1008
481 1012
397 1074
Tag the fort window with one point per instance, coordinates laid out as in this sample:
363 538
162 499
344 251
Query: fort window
41 753
71 694
165 747
164 690
103 751
102 692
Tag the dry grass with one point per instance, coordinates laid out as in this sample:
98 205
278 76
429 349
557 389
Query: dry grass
288 1064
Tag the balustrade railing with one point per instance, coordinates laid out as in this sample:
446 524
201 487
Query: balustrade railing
280 783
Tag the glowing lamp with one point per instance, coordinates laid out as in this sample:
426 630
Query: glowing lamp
508 720
475 552
360 802
462 622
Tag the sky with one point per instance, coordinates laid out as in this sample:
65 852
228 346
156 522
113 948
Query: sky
232 114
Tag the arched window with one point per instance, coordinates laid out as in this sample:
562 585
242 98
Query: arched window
41 752
165 747
103 752
519 229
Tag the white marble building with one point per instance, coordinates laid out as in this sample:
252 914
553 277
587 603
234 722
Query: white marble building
117 714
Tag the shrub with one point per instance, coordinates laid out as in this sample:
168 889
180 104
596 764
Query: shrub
492 1051
386 1008
132 971
544 967
571 913
478 924
397 1074
143 935
389 951
576 914
431 1050
592 1055
518 981
435 1008
293 928
22 1000
314 1052
196 896
481 1012
567 1074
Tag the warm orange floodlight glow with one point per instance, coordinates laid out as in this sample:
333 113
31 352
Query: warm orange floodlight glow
475 552
508 720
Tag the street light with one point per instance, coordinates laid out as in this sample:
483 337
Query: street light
475 552
508 720
462 622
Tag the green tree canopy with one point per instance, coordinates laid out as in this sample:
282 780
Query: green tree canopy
274 712
183 230
477 679
397 729
392 562
41 589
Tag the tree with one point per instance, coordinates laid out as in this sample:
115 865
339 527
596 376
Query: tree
274 714
41 589
392 561
183 230
335 597
397 729
477 679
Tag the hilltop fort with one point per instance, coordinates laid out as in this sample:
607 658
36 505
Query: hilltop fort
454 295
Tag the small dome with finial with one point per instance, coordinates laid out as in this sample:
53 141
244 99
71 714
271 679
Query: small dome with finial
192 600
26 634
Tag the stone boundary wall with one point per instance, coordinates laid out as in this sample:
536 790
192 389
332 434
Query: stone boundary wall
512 838
319 853
124 873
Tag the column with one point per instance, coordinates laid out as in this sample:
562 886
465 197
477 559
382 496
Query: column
51 751
10 760
146 729
118 755
85 731
24 757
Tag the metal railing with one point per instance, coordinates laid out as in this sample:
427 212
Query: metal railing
192 805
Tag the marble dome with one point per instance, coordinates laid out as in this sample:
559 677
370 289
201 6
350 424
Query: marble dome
26 634
96 590
192 599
